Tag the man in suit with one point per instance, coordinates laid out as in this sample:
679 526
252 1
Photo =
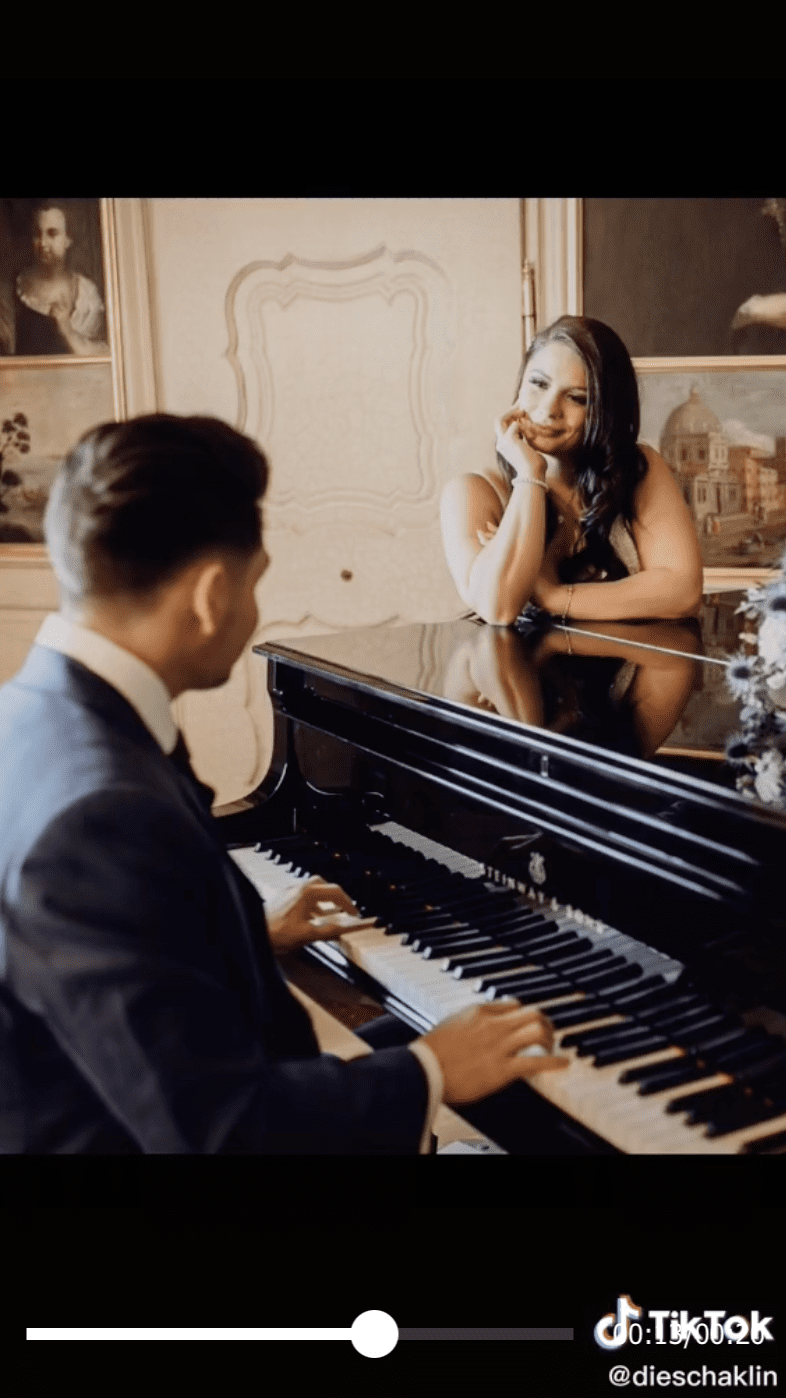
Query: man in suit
141 1006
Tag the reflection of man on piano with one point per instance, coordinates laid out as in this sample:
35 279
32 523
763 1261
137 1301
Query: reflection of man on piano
142 1008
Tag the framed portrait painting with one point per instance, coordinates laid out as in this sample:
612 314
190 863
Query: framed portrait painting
59 348
696 288
688 278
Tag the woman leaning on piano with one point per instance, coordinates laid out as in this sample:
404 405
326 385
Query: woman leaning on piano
578 519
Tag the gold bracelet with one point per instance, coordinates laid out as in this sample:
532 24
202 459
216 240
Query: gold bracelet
567 604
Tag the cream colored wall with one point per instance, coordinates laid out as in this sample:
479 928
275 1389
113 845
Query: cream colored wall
368 345
365 344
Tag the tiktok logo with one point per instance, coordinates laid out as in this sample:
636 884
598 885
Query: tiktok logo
626 1312
679 1327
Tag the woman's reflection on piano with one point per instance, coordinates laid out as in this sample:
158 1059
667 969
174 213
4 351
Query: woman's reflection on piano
610 689
577 518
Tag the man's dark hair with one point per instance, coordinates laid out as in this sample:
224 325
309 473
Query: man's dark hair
135 502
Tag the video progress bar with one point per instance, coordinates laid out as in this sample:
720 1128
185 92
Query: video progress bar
535 1332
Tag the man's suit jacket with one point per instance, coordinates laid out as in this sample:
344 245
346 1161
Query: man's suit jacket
141 1008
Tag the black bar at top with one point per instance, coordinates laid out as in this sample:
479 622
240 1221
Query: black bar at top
537 1332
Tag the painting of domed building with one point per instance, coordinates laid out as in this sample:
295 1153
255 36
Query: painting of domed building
722 434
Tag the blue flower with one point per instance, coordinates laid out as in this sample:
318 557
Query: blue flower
737 749
741 675
775 596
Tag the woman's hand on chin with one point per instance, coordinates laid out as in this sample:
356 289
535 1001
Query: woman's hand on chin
514 448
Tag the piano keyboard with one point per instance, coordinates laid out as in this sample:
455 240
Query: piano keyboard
654 1067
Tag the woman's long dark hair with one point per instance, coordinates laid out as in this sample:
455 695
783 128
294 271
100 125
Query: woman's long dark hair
609 462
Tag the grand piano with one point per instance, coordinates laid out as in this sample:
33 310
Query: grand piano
546 813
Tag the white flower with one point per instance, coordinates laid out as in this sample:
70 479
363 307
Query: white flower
777 687
772 640
769 777
741 675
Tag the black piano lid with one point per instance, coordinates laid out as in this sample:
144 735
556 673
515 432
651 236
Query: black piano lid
376 725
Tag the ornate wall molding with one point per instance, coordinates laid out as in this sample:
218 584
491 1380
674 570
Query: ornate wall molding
341 371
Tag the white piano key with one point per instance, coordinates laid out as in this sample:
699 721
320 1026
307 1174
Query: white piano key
273 881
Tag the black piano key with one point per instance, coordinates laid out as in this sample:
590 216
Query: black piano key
748 1112
582 946
630 1046
613 976
679 1017
538 956
548 935
579 1012
605 1057
534 980
690 1073
440 948
426 927
639 996
759 1061
460 950
614 1035
436 924
675 1001
672 1072
457 937
718 1042
512 919
569 961
584 1041
744 1060
419 912
774 1144
704 1042
410 904
409 900
687 1010
526 995
463 903
415 934
469 968
513 936
429 944
604 965
700 1105
698 1030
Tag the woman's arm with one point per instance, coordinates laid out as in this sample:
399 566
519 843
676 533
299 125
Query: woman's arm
670 582
495 553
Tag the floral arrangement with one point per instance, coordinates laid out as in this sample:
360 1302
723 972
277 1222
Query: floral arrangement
758 749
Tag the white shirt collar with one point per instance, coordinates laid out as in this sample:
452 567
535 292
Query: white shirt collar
131 677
